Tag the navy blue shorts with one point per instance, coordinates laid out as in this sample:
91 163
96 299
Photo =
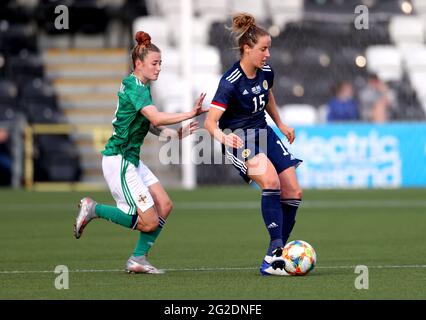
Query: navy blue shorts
260 141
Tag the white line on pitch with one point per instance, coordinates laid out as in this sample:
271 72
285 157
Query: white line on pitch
197 205
211 269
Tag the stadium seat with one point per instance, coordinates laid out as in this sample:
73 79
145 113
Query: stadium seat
418 80
256 7
167 8
46 17
7 112
133 9
57 159
212 10
298 114
26 64
157 27
206 59
168 92
219 36
208 83
322 113
377 33
17 12
414 56
283 12
171 61
406 29
16 37
8 92
160 88
419 7
200 31
385 61
40 112
37 93
228 57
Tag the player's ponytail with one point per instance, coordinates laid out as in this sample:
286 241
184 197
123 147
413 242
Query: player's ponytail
143 46
245 30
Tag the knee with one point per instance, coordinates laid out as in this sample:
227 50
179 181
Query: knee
295 193
151 226
167 207
148 224
271 183
298 193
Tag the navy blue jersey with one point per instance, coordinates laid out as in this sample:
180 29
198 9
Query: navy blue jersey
243 100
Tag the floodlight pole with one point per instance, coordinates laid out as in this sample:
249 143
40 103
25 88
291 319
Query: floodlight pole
189 179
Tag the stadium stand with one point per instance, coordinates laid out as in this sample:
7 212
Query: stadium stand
25 90
52 75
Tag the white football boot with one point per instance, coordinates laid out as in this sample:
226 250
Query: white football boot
273 265
86 213
141 265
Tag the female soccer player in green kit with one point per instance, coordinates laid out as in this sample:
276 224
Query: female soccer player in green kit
142 202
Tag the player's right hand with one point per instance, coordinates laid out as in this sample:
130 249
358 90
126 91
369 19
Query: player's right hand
232 140
198 107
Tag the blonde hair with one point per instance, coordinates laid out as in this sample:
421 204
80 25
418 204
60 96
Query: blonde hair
245 31
143 46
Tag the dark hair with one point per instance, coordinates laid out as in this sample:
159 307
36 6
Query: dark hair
372 76
245 31
337 87
143 46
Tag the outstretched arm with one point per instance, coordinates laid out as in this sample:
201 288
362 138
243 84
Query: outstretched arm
181 133
158 118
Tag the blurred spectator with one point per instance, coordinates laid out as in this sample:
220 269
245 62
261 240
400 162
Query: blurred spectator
5 161
376 100
342 106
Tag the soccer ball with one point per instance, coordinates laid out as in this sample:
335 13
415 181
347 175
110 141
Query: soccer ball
299 257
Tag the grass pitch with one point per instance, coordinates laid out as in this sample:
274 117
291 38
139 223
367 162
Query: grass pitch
212 246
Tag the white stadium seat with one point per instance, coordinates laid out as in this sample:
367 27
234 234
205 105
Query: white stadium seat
385 61
216 10
200 30
167 7
255 7
298 114
208 83
419 7
171 62
285 11
406 29
157 27
414 56
418 81
206 59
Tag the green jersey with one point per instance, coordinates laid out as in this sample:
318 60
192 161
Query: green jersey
130 126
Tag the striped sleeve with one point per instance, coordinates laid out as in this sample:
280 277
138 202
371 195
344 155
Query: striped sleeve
223 95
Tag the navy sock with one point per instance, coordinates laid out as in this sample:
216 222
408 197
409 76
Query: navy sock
289 209
273 217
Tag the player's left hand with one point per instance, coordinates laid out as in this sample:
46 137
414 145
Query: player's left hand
289 133
188 129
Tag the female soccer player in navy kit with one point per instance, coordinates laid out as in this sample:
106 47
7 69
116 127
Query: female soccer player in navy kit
243 95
